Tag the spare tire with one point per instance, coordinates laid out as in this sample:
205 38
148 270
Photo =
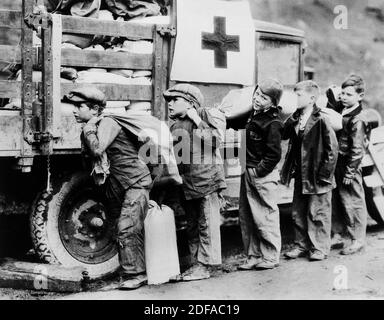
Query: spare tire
71 227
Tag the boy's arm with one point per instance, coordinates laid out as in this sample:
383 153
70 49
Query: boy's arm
272 155
356 152
331 149
289 126
208 132
98 138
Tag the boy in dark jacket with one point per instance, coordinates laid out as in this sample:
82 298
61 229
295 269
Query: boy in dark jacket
349 198
311 159
258 211
201 169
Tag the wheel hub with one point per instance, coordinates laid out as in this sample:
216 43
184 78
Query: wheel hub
87 233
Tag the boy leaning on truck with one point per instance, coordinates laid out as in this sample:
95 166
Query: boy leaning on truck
311 160
129 181
349 198
258 211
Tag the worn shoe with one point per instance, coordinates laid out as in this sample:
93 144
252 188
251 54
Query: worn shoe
356 246
337 242
317 255
197 272
265 265
134 283
250 263
296 253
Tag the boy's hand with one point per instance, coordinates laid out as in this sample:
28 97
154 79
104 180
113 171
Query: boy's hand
347 181
93 120
90 127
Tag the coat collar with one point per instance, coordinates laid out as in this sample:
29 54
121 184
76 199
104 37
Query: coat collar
312 119
272 112
354 112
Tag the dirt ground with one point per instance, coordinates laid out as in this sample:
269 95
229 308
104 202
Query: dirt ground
359 276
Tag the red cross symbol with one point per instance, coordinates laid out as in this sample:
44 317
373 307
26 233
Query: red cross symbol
220 42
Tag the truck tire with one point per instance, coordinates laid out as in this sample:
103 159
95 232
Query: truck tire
375 208
71 227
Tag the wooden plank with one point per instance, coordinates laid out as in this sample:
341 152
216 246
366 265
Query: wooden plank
134 31
12 54
41 277
11 126
10 89
28 94
157 76
10 19
105 59
115 92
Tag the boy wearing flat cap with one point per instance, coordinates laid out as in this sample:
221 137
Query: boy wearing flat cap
127 186
202 172
258 211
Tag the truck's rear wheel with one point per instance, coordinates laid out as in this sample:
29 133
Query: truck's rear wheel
72 228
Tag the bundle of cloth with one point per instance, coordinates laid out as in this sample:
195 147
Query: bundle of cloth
158 140
106 10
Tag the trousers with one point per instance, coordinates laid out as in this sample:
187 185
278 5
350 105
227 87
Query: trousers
203 229
129 210
349 207
311 214
259 215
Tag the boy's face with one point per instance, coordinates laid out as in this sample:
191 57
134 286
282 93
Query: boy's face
83 113
349 97
261 101
304 99
178 107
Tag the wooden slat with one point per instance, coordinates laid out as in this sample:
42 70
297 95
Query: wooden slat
115 92
10 89
102 59
33 276
108 28
12 54
10 19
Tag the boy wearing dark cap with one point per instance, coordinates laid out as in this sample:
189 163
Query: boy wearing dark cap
197 136
349 197
128 183
258 211
311 160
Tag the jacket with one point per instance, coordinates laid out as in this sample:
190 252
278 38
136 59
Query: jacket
201 168
353 141
319 152
263 141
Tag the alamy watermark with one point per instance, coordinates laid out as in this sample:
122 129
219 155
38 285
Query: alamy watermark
341 20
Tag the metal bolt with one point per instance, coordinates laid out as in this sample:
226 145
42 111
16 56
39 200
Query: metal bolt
96 222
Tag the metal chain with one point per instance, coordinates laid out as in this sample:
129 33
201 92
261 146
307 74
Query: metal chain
48 189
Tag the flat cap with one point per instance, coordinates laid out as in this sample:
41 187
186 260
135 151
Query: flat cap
186 91
86 94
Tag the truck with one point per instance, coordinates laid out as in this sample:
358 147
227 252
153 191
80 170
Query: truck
41 170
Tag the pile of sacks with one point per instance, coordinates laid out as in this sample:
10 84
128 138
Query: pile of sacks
120 10
145 12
